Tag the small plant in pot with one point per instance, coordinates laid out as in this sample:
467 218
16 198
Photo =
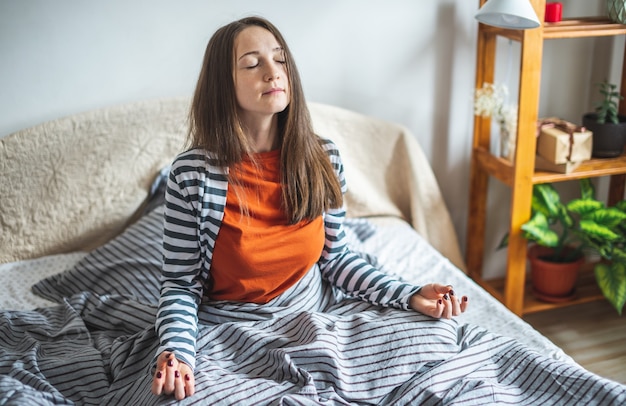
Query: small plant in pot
608 127
583 227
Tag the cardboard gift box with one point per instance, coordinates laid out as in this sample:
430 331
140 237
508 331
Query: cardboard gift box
561 142
543 164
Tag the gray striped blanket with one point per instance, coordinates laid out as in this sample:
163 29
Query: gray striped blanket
310 346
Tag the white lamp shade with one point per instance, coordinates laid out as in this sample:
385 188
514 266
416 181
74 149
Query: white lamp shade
514 14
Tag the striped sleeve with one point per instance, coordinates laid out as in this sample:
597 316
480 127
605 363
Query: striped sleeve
181 289
347 270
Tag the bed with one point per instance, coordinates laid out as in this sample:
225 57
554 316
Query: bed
81 217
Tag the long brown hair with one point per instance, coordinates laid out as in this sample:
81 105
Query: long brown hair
310 185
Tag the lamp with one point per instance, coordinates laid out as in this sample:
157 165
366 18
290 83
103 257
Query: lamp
514 14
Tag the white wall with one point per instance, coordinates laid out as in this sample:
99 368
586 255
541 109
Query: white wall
406 61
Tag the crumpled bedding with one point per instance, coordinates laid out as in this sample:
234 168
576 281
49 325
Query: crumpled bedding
310 346
307 347
389 242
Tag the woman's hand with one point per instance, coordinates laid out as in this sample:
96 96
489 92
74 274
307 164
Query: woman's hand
436 300
172 377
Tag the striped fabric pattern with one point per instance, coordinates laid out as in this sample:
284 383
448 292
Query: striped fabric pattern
194 209
129 266
310 346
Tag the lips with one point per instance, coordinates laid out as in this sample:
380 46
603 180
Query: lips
274 90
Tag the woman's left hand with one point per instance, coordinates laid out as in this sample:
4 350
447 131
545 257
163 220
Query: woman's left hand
437 300
172 377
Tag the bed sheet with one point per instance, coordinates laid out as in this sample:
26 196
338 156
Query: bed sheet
16 278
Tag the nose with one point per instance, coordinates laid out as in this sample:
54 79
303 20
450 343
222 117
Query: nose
272 74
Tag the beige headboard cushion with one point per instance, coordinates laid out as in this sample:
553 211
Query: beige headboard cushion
76 182
388 175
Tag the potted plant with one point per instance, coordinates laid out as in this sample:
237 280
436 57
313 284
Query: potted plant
608 127
583 227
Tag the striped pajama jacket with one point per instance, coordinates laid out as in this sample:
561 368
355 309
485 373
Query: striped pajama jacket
195 201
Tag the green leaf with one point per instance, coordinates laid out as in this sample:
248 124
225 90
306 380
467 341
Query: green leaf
584 206
538 206
504 242
565 217
621 205
546 200
587 190
612 282
618 254
537 229
598 231
610 217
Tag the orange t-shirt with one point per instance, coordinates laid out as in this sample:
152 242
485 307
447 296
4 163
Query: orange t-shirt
259 256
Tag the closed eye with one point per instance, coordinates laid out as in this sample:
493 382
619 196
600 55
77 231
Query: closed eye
256 65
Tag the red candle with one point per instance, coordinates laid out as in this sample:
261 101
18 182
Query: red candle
553 12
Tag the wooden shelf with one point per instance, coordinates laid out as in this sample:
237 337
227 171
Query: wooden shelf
580 27
521 176
502 169
588 169
587 290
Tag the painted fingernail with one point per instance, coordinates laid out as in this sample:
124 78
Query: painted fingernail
465 298
440 301
176 374
445 297
187 377
170 363
159 375
451 293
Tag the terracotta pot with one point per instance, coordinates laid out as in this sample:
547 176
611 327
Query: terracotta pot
552 281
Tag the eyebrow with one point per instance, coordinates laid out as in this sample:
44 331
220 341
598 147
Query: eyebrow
277 49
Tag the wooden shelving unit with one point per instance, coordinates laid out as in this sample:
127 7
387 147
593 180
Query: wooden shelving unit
521 176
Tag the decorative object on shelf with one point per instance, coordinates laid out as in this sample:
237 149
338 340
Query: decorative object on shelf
616 10
513 14
489 101
584 226
554 12
562 144
542 164
608 127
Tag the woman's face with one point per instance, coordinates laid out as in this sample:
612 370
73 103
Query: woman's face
260 75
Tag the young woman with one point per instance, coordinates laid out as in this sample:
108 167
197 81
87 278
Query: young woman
256 205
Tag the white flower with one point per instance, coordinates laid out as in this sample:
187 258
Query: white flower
489 102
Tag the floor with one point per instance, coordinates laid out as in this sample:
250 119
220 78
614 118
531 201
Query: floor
591 333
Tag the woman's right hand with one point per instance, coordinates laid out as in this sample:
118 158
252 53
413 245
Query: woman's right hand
172 377
438 301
